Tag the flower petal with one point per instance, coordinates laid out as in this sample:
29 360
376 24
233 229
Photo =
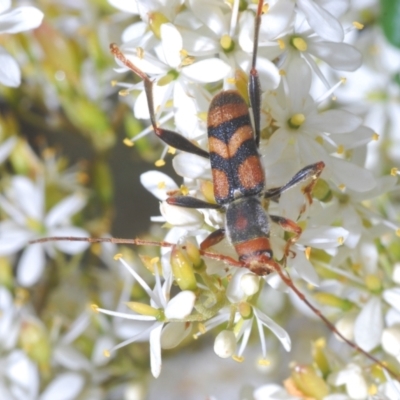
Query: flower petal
368 325
31 265
340 56
277 330
351 175
323 23
126 6
191 166
181 305
10 74
174 333
171 41
323 237
181 216
65 386
155 350
8 145
333 121
62 211
29 196
392 296
158 184
13 238
205 71
20 19
277 19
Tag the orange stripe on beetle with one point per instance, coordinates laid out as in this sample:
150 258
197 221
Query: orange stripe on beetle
226 106
252 247
221 184
250 172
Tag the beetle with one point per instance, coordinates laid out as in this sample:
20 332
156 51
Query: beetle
239 183
238 175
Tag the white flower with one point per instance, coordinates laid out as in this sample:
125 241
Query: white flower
166 316
225 344
299 123
16 20
24 203
352 377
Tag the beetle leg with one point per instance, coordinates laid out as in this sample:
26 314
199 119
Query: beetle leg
254 80
212 239
288 226
190 202
312 172
171 138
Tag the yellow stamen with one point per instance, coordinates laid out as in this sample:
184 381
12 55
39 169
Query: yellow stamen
340 240
189 60
320 343
184 190
128 142
281 44
297 120
340 149
118 256
161 185
263 362
375 136
140 52
202 328
238 359
159 163
394 171
171 150
123 92
226 42
358 25
107 353
372 390
155 260
398 232
114 83
231 81
342 187
299 43
95 308
307 252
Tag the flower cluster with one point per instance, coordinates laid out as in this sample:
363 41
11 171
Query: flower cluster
191 50
329 97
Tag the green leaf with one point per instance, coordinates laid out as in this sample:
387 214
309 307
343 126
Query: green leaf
390 21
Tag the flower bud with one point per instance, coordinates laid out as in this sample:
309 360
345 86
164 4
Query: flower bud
328 299
182 269
34 341
250 284
322 191
319 356
144 309
308 382
225 344
193 253
156 19
345 326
